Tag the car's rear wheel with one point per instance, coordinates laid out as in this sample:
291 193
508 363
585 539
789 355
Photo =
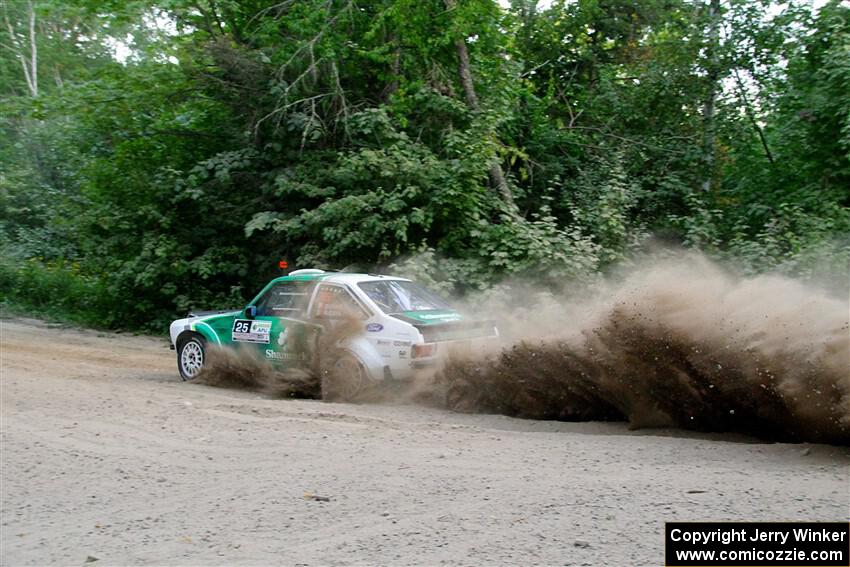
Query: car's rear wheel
191 353
345 380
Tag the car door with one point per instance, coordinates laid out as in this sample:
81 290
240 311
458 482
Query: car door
279 332
337 310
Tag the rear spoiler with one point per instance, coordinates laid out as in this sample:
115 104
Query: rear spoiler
453 330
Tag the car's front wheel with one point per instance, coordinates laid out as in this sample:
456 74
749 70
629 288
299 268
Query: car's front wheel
190 357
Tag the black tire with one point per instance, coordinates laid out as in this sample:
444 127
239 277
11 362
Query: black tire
191 354
345 380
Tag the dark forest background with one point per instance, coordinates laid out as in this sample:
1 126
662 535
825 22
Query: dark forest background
157 155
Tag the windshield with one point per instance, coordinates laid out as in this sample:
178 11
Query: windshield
396 296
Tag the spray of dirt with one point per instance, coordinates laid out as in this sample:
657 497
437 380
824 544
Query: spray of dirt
244 369
680 343
317 376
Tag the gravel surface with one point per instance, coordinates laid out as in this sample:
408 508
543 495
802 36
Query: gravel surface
108 458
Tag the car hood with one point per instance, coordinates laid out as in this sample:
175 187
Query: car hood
197 314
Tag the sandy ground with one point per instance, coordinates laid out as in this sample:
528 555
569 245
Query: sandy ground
107 455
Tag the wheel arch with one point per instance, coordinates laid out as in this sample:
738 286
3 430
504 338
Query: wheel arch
364 353
205 331
188 334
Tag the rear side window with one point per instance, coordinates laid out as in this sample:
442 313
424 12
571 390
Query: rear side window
285 299
335 302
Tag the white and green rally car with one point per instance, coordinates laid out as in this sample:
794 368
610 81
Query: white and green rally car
369 328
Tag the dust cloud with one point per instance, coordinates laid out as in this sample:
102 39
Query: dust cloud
680 343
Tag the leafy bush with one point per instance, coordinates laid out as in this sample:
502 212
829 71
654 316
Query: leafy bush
56 290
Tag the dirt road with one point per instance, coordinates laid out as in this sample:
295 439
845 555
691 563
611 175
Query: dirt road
107 455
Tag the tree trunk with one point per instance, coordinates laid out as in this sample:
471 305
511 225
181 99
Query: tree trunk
395 67
33 51
29 65
708 119
57 76
751 115
463 69
497 177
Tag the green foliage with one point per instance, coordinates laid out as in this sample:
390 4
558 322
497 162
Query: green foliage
56 290
790 210
339 134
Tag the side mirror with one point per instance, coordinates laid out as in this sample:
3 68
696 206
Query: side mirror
251 311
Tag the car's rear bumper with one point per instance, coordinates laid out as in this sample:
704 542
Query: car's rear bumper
457 346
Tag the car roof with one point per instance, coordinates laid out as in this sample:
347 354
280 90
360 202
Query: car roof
358 278
334 277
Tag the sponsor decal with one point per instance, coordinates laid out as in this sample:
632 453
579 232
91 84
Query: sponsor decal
248 331
401 343
374 327
429 317
382 342
402 354
275 355
433 316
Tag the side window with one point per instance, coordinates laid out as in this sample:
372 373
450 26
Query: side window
335 302
285 299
